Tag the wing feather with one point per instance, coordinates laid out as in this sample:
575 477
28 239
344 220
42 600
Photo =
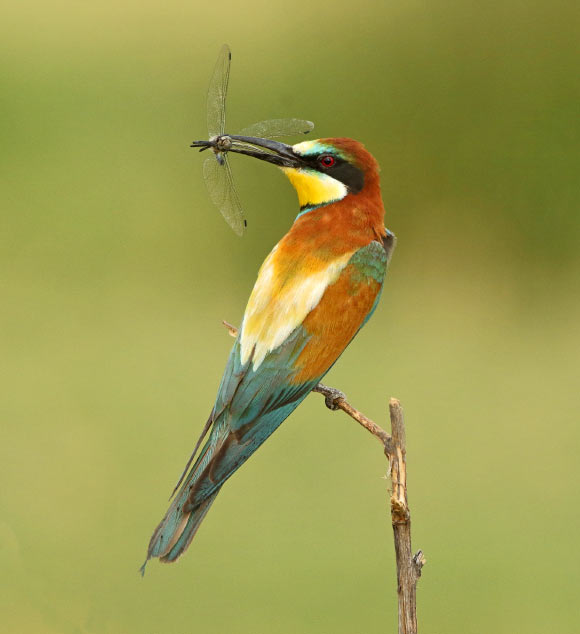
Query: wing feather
254 399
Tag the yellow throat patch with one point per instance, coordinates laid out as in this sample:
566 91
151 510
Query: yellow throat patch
315 188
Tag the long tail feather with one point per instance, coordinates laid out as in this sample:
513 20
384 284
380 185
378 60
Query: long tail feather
188 533
176 530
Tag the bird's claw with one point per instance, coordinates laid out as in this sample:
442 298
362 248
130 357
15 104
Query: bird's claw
331 398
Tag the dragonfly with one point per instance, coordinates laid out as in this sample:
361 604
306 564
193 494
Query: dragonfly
217 172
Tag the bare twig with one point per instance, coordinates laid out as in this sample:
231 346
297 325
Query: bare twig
408 565
335 399
232 330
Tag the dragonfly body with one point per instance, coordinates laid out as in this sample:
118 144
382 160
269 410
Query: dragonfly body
223 143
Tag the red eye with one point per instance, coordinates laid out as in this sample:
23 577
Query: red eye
326 160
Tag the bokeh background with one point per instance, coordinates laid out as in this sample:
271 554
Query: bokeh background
115 271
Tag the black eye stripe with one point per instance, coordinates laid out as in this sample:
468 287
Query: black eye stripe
343 171
315 161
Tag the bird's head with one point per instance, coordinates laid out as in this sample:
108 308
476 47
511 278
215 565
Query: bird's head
322 171
327 170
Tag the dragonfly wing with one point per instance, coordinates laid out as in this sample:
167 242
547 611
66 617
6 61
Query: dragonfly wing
272 128
222 191
217 92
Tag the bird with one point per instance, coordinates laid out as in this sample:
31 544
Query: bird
314 291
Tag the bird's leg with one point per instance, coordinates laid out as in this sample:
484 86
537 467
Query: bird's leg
335 399
332 396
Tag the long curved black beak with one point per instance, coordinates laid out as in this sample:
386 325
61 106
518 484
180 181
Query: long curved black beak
274 152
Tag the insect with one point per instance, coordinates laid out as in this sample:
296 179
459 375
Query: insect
216 168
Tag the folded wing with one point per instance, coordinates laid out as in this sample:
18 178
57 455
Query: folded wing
266 379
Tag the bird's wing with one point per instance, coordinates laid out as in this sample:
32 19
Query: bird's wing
259 390
257 393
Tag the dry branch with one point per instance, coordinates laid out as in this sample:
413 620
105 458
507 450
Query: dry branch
394 444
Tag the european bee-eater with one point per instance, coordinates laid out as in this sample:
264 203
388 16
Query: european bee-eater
318 286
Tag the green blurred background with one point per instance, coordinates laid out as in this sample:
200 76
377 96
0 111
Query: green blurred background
115 271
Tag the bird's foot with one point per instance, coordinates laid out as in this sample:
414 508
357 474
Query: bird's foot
331 396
